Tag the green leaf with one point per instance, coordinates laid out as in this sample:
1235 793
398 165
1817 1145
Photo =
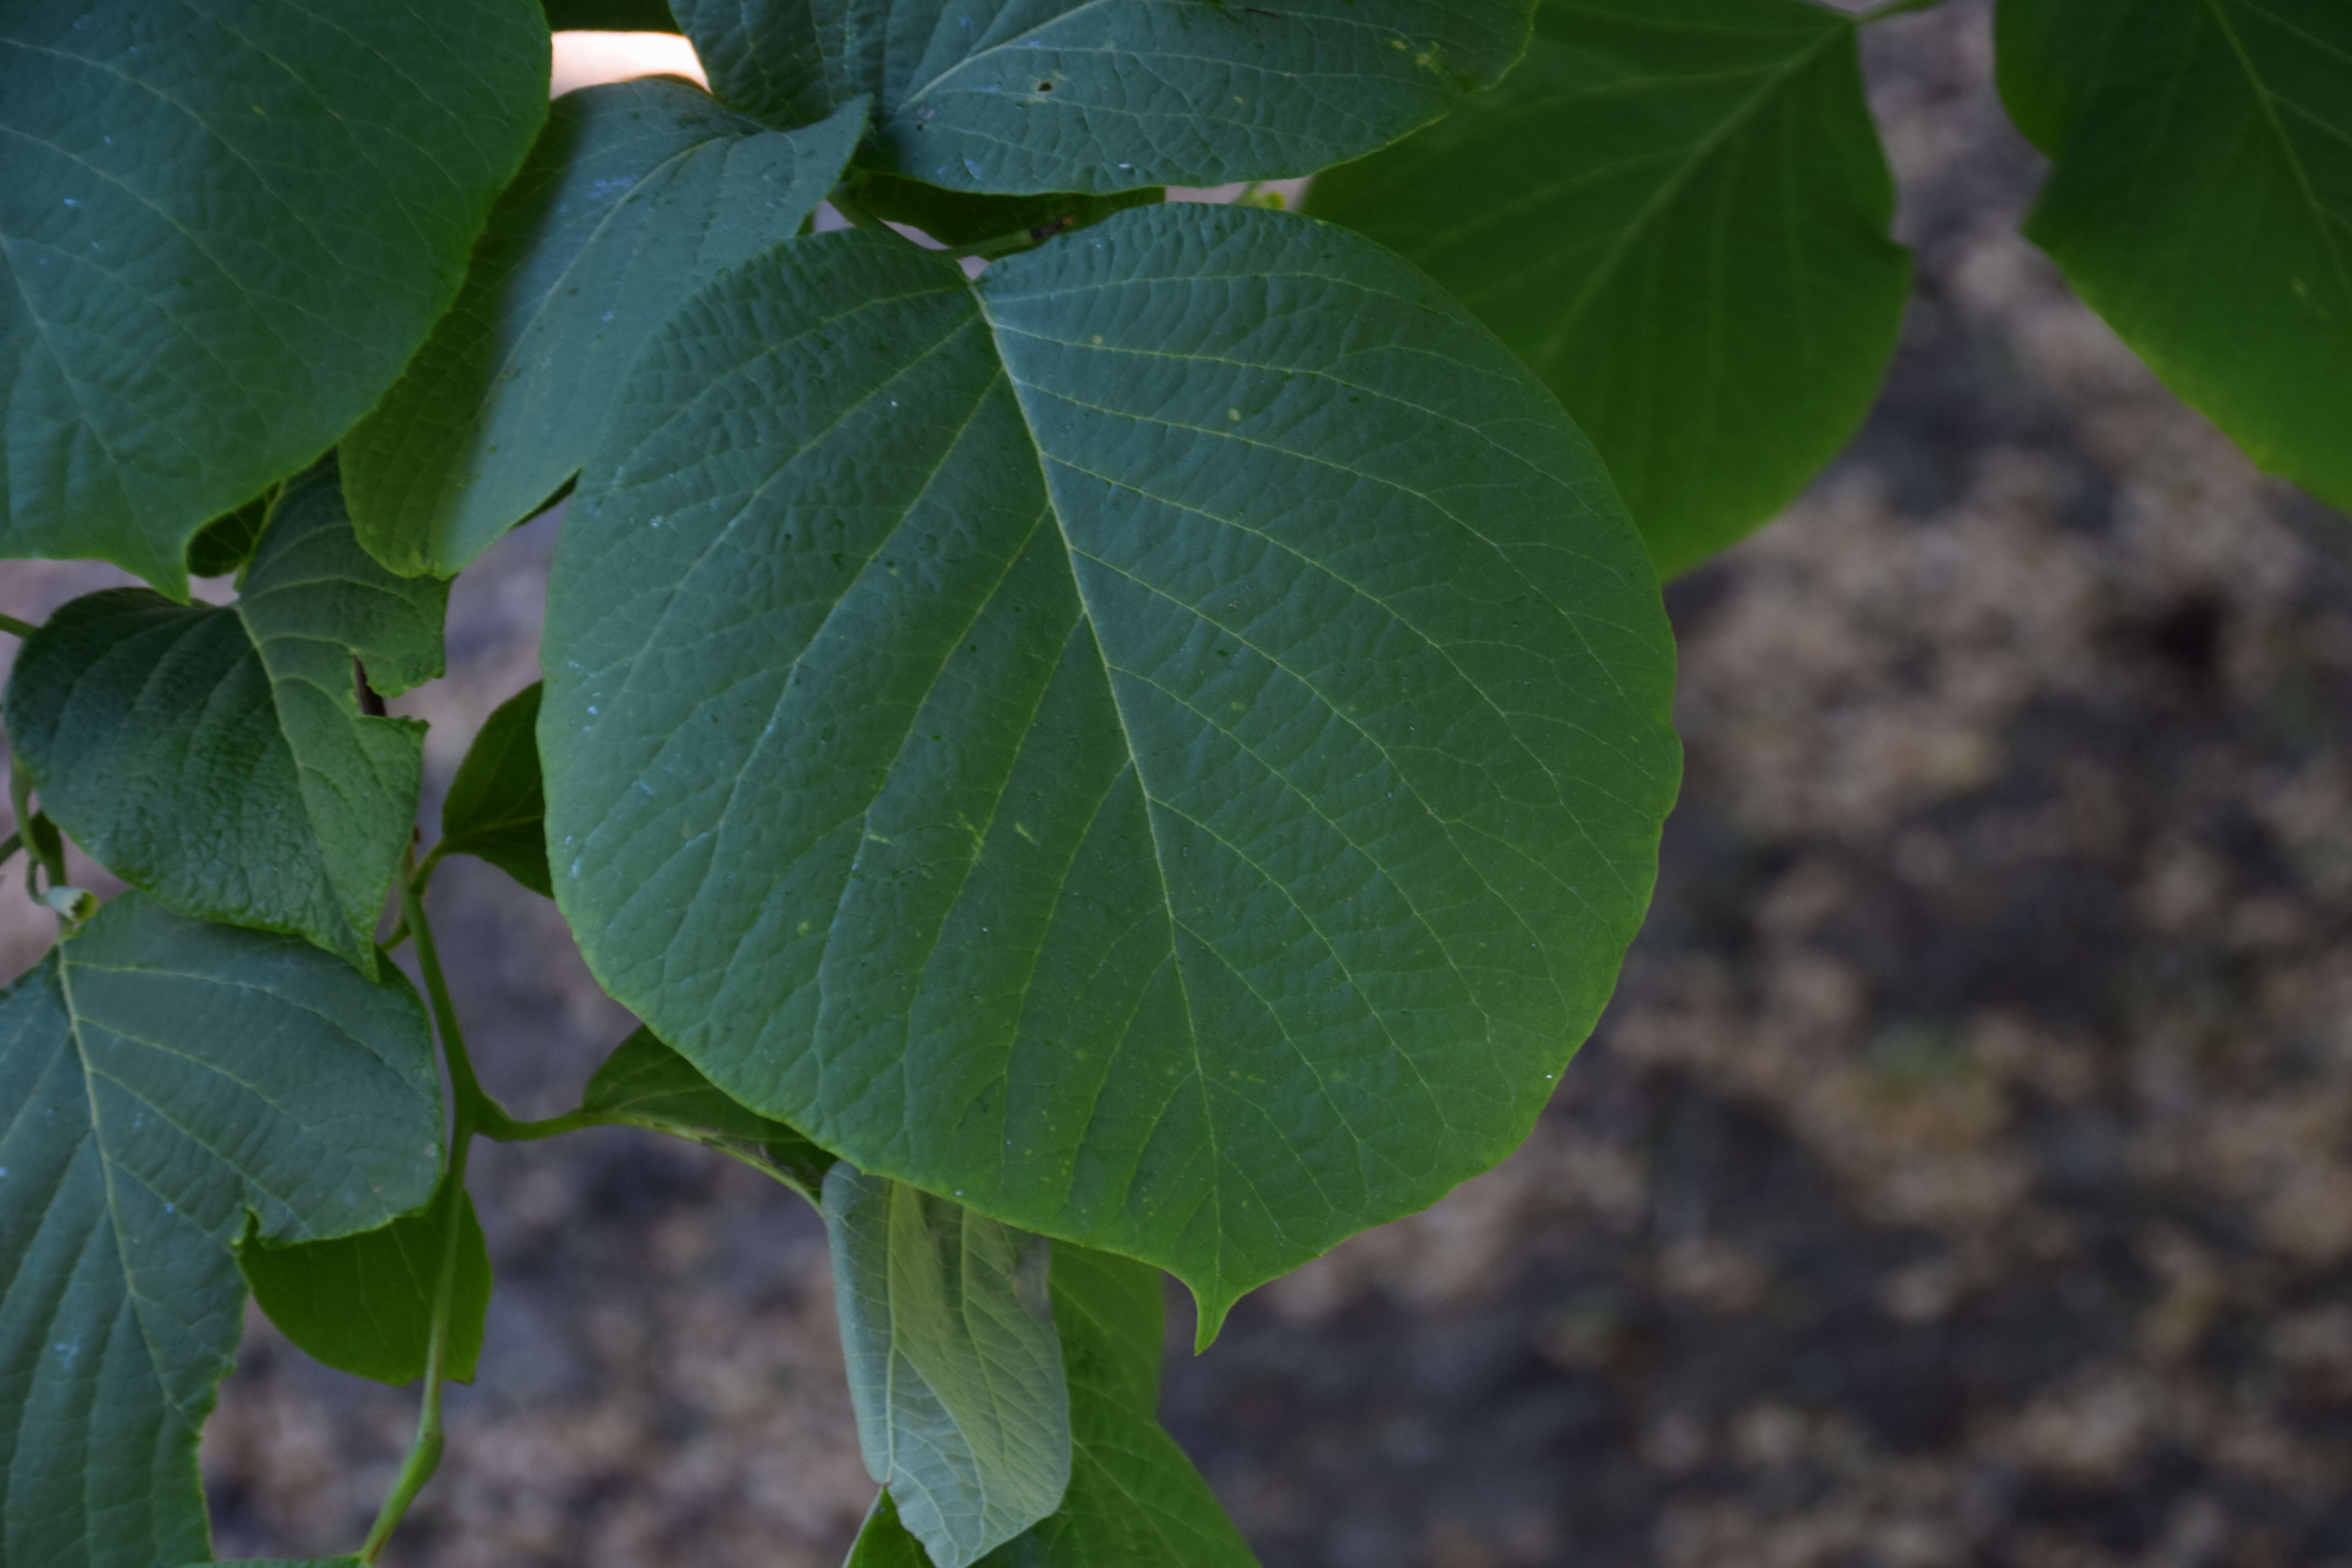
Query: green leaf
363 1304
609 15
637 194
496 810
958 218
1165 741
217 757
2201 202
643 1083
230 223
1675 211
1109 95
1134 1498
225 544
954 1369
167 1084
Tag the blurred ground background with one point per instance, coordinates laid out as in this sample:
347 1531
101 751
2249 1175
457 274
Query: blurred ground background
1961 1176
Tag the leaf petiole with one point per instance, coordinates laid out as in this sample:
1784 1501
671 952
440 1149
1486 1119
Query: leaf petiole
16 629
471 1111
1879 13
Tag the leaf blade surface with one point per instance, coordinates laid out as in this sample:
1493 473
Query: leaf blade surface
2201 203
635 194
165 1081
216 757
230 223
955 1370
1028 96
980 823
1676 212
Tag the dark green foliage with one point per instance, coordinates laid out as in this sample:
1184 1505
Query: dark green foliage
230 223
2202 201
1159 742
635 194
959 219
168 1084
643 1083
496 809
219 758
1108 95
365 1303
1675 211
1005 694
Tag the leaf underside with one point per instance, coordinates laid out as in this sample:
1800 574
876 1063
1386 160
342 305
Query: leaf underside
1134 1498
635 194
954 1369
165 1085
1023 96
1166 742
1675 211
217 757
229 223
2201 202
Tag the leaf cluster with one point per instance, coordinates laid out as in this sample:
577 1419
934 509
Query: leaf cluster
1098 735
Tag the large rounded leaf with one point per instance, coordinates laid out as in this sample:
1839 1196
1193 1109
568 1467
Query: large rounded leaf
227 224
166 1085
1165 742
1108 95
2203 202
1676 212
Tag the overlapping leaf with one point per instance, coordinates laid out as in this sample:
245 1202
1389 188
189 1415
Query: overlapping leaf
363 1304
229 224
1675 211
955 1370
1107 95
216 757
637 194
1165 742
643 1083
1134 1498
2202 201
164 1085
496 809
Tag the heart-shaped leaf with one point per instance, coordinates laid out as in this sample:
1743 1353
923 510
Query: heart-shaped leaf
1134 1498
1675 211
230 223
1165 741
635 194
954 1369
217 756
1108 95
2201 202
167 1085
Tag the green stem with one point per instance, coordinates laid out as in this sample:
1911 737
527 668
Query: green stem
47 849
509 1130
424 1452
16 629
850 208
1893 8
471 1111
